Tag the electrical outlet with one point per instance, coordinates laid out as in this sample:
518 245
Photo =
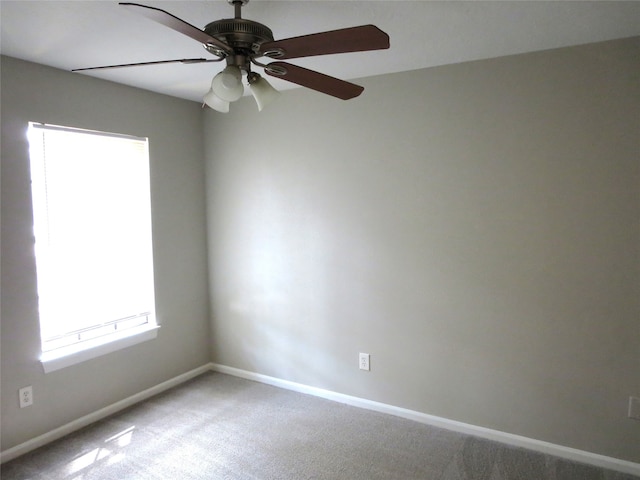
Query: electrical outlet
26 396
634 408
364 361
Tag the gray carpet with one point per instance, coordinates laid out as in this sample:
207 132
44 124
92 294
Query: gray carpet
221 427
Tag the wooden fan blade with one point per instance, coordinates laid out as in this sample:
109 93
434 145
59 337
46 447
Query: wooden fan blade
354 39
314 80
184 60
177 24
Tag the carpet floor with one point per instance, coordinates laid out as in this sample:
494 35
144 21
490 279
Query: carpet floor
222 427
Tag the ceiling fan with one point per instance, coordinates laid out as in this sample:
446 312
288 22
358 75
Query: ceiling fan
242 42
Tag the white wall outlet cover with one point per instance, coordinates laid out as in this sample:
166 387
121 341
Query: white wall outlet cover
634 408
26 396
364 361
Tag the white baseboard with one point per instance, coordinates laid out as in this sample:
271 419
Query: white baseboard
568 453
507 438
81 422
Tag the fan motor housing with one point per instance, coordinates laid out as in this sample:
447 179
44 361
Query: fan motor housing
239 33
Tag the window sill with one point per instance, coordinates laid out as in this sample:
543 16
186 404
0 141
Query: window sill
74 354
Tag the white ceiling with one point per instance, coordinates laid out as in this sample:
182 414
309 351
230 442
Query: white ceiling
76 34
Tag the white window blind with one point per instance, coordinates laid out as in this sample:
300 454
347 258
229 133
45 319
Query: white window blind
92 224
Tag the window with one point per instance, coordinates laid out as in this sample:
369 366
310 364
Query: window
92 225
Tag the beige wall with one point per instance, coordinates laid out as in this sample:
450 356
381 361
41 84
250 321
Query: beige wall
34 93
474 227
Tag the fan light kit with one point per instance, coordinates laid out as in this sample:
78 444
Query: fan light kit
241 42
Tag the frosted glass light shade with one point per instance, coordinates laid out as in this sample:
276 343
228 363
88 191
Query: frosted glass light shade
228 84
263 92
215 102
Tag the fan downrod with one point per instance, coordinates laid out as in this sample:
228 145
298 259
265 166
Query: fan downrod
237 5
